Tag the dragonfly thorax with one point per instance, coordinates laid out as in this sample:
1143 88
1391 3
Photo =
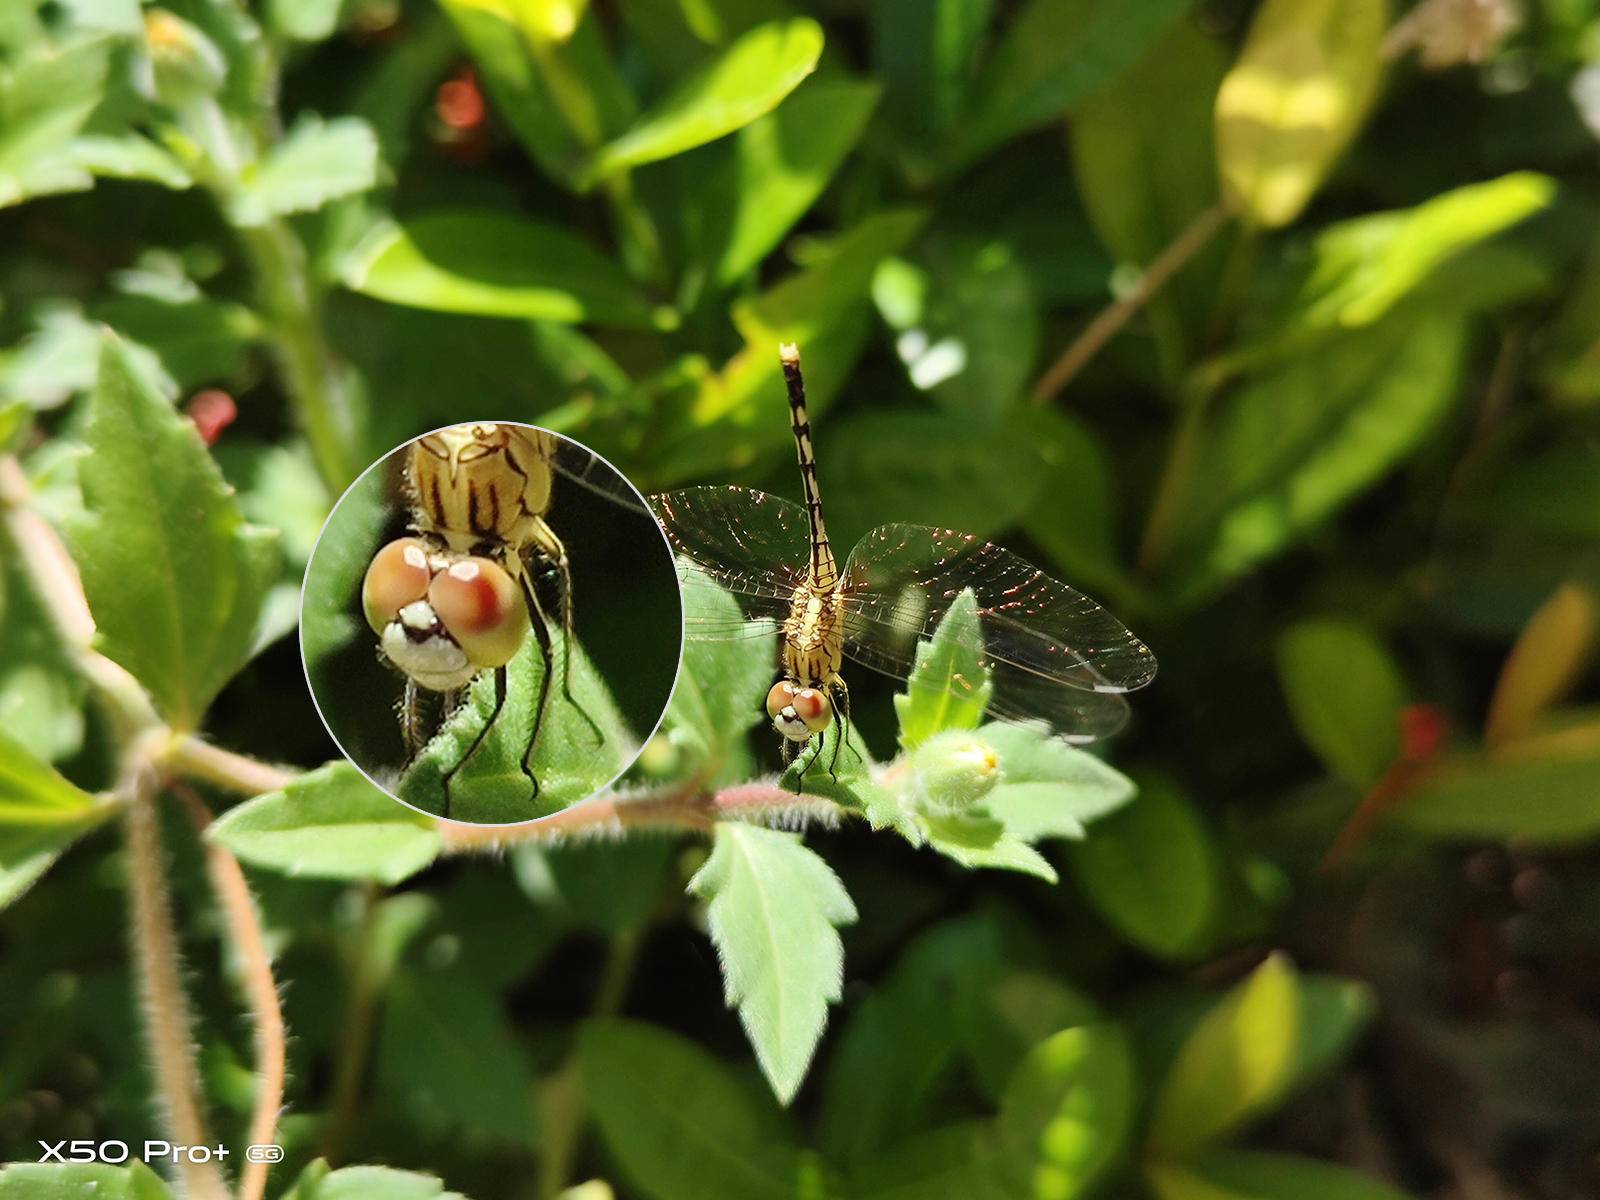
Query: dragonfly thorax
813 641
472 484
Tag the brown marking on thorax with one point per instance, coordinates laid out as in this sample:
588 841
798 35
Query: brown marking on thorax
472 484
813 638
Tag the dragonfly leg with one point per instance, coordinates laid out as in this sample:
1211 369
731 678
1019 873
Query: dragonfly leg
412 719
551 548
841 718
477 742
541 631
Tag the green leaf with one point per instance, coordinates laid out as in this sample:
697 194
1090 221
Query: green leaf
329 824
1154 872
1054 54
679 1123
53 1181
494 265
1287 449
449 1058
32 793
1301 87
316 162
949 686
1047 787
1538 792
1269 1034
772 907
304 20
173 574
29 849
1547 662
561 95
607 886
923 50
967 323
45 99
329 616
1143 154
746 80
722 685
975 839
317 1182
779 165
41 690
128 156
957 1162
571 759
1001 1018
1345 694
1253 1175
1068 1112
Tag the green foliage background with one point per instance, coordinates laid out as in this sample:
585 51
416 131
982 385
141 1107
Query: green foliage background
1273 325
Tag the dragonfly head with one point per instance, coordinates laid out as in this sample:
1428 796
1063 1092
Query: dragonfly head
799 713
441 618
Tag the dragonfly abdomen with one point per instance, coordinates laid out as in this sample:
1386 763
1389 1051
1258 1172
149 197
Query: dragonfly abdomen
823 569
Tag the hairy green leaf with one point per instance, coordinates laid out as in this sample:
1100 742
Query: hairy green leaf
747 79
74 1181
773 906
1068 1111
316 162
318 1182
495 265
173 574
572 758
680 1124
330 823
1345 694
1049 788
949 686
44 101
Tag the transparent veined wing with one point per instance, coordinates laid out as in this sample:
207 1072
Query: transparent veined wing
1054 654
588 470
752 545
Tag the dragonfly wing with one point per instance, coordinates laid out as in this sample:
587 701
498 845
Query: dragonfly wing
580 466
750 545
1054 653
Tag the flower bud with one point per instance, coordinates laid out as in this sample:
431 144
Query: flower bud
188 66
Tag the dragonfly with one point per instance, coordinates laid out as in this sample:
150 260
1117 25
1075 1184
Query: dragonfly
460 596
1049 652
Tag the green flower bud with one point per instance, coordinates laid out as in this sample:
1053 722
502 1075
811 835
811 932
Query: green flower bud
187 64
953 770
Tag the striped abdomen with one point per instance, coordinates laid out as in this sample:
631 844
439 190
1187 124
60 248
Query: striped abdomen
823 570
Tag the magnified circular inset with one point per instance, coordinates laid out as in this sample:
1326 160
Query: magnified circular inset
491 623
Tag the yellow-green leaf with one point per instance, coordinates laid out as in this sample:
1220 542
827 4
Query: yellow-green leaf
1547 660
1303 82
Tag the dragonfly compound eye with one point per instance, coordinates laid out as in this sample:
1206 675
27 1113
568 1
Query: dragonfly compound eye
399 575
480 605
796 712
813 708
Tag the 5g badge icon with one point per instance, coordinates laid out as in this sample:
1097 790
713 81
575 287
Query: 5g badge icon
264 1153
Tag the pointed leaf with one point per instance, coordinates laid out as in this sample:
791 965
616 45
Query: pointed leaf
773 908
1345 694
318 161
949 686
174 576
1547 661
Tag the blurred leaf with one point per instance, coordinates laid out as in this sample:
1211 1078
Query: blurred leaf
1143 153
317 1182
45 99
609 886
779 165
1345 694
1291 103
924 50
330 612
933 468
41 814
1546 662
174 576
1540 796
1252 1175
494 265
52 1181
1267 1035
449 1058
744 81
722 685
679 1123
1003 1015
329 824
197 339
569 760
1287 449
772 907
317 161
1053 55
41 690
948 687
1068 1111
957 1162
970 334
304 20
1153 870
128 156
561 95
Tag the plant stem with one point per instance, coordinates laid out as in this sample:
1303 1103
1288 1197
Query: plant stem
1112 318
166 1006
190 756
261 991
356 1023
292 308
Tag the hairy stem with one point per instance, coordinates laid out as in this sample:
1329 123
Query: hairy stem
166 1006
189 756
1112 318
261 992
